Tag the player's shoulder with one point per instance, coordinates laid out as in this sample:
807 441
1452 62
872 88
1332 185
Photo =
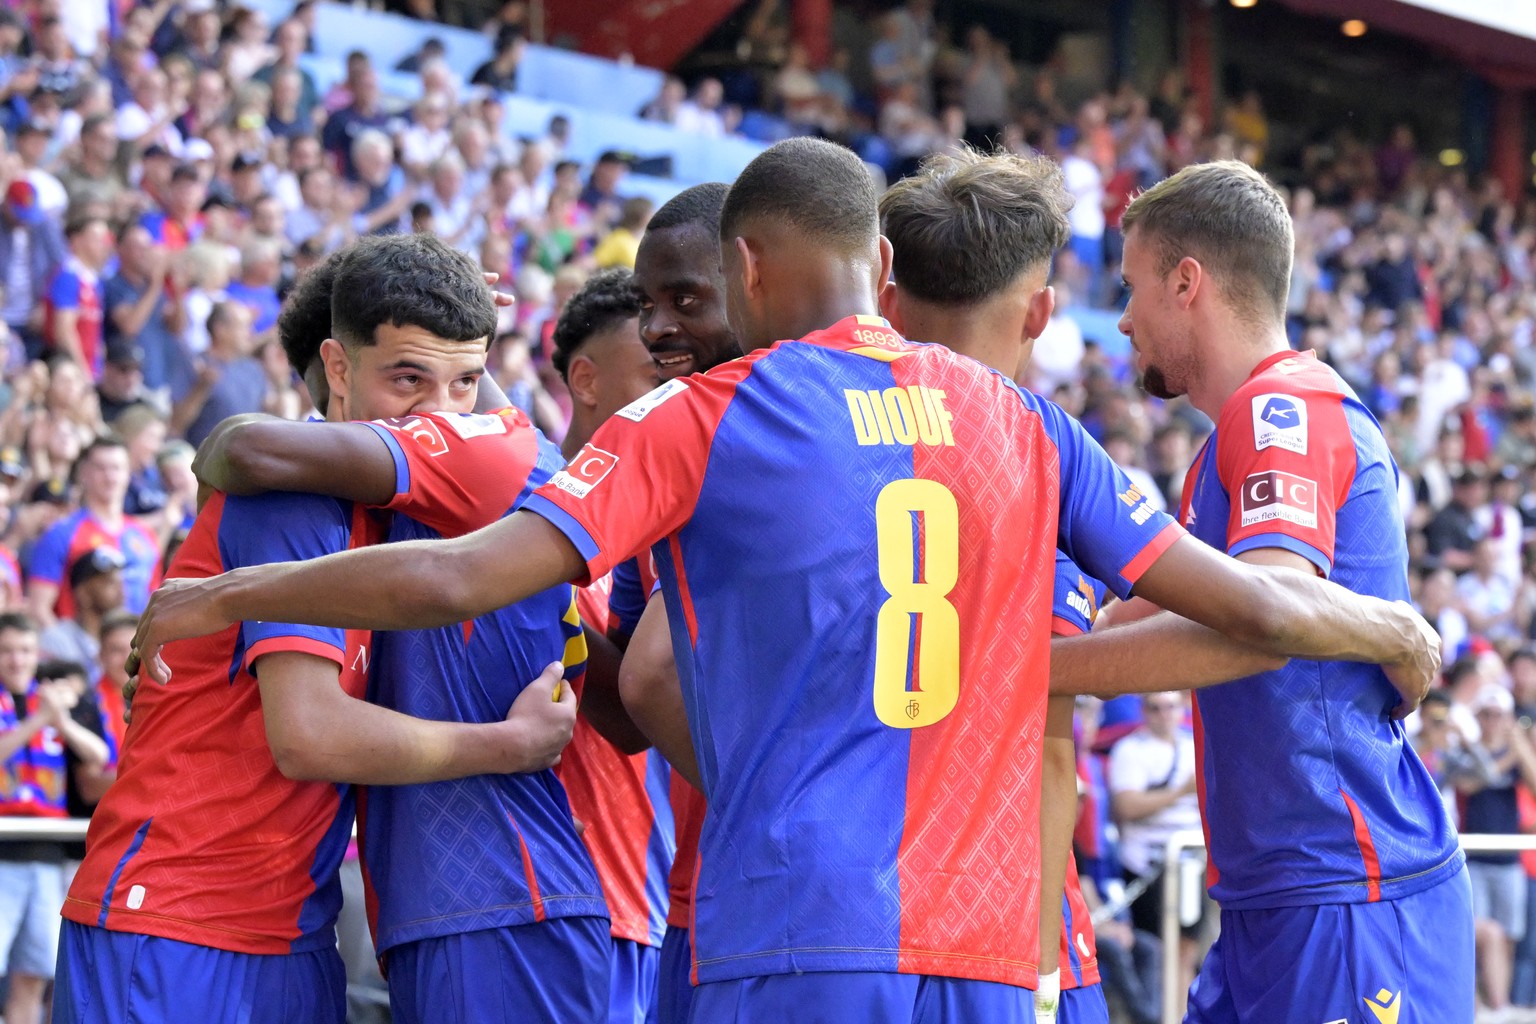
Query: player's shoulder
1298 377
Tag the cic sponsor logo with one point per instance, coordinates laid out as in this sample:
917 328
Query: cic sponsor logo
588 469
1274 495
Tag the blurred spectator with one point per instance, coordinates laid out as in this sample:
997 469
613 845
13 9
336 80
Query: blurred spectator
500 72
93 176
102 475
35 731
96 580
347 125
291 39
431 49
1502 760
622 244
122 380
230 380
261 267
381 197
703 114
665 106
73 326
1152 795
1451 534
31 250
140 313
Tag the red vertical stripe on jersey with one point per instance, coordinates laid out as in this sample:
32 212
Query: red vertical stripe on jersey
539 914
1367 850
973 778
683 593
1212 872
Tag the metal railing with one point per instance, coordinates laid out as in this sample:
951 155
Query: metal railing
1173 892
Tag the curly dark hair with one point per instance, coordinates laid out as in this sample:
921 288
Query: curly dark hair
607 299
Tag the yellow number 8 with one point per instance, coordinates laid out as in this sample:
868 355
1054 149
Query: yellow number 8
938 624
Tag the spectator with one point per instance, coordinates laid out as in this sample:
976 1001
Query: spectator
31 250
247 51
1086 183
74 303
363 114
149 120
665 106
1499 521
181 222
1436 743
35 731
122 380
474 149
1504 759
229 381
431 49
987 83
93 176
96 580
1440 605
1486 597
622 244
31 142
702 115
59 69
1453 532
291 40
1152 795
116 641
102 475
425 141
143 431
261 266
500 72
601 196
385 197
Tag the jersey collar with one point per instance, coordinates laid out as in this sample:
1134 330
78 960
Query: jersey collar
1279 357
863 335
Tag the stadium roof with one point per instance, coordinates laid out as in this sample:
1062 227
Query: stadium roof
1495 37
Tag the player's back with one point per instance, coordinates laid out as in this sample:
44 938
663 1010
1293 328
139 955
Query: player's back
485 851
861 610
202 838
1311 792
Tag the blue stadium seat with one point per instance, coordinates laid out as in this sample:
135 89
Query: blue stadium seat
586 81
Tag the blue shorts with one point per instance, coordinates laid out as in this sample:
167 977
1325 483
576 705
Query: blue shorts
1406 961
1083 1005
674 987
122 978
835 997
552 971
632 985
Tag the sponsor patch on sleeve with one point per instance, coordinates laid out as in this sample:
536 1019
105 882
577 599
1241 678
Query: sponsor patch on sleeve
588 469
646 404
1279 421
475 424
1274 495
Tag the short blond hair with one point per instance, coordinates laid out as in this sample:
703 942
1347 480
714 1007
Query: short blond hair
1230 218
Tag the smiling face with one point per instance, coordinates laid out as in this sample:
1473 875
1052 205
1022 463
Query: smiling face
682 317
1154 323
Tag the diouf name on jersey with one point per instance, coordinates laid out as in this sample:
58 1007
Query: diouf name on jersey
908 415
1275 495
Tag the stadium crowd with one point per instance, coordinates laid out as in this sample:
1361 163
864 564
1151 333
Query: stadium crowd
166 183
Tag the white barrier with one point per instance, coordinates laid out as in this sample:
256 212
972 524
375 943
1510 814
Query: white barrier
1173 892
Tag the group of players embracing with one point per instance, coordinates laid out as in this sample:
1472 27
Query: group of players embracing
836 580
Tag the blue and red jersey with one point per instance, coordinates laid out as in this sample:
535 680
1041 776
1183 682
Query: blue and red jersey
32 780
76 288
201 839
623 801
170 232
1346 812
488 851
872 776
1075 604
78 534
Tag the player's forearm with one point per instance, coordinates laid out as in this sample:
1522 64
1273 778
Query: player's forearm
1318 619
1164 652
255 453
653 695
600 701
1058 814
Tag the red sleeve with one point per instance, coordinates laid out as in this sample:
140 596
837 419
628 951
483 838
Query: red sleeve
1286 458
638 480
457 472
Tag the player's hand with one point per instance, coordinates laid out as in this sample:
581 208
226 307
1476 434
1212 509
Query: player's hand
181 608
1047 998
1414 675
540 723
130 687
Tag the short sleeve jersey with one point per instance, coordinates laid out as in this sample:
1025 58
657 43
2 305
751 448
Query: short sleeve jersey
77 534
847 527
77 289
201 839
1074 605
1310 792
487 851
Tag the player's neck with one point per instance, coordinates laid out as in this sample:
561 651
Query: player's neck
819 294
990 340
1226 364
580 432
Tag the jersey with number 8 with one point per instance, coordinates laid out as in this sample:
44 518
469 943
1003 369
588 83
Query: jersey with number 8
856 541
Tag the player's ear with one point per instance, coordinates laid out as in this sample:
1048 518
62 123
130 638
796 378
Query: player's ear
887 257
1188 277
338 367
751 271
1041 304
581 381
890 307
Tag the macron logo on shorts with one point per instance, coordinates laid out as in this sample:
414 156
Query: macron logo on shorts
1279 421
1275 495
588 469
